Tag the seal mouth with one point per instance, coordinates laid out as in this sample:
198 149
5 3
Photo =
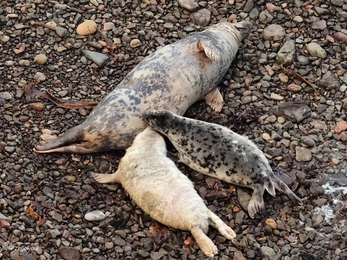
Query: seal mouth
244 28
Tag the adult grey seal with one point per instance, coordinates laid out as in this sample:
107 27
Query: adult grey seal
216 151
155 183
172 78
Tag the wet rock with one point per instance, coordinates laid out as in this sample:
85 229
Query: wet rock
201 17
99 59
285 55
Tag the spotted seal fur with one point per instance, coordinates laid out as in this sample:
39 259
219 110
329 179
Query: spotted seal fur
216 151
172 78
155 183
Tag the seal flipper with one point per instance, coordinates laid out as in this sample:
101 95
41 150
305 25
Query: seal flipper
69 142
223 228
204 242
280 185
256 204
209 48
105 178
215 100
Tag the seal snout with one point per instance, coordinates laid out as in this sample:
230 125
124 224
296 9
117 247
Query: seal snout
244 28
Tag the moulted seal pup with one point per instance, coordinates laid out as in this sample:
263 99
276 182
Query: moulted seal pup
155 183
216 151
172 78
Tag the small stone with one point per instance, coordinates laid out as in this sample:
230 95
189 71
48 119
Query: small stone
69 253
4 38
99 59
265 17
61 32
285 55
315 50
341 37
86 28
38 106
40 59
3 217
95 215
18 188
338 2
190 5
25 63
340 126
39 76
266 137
6 95
275 96
108 26
268 251
271 223
319 25
135 43
51 25
294 88
298 19
201 17
302 154
274 32
109 245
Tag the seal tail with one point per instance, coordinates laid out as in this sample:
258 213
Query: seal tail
280 185
66 143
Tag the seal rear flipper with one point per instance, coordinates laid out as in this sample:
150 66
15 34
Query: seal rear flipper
280 185
256 204
204 242
210 49
215 100
69 142
105 178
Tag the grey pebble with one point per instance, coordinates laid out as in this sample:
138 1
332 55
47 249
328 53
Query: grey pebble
99 59
274 32
61 32
302 154
201 17
190 5
285 55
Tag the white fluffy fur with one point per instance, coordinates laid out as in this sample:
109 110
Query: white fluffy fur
155 183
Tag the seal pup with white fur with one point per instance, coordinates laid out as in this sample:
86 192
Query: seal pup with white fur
156 185
217 151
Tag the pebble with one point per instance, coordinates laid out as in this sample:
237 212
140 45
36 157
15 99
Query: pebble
201 17
108 26
265 17
37 106
61 32
86 28
4 38
294 88
51 25
95 215
40 59
302 154
341 37
319 25
190 5
25 63
285 55
275 96
316 50
69 253
99 59
268 251
135 43
274 32
39 76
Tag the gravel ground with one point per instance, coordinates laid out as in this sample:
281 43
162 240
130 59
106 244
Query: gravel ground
300 128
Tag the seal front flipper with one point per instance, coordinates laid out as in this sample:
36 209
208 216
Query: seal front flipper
210 49
215 100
